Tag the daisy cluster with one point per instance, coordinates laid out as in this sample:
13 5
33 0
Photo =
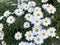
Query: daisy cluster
49 8
34 16
2 34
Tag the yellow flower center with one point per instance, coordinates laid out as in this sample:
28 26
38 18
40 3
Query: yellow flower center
26 24
48 5
46 21
31 10
18 35
38 39
36 9
28 16
38 14
1 26
37 21
26 6
51 10
7 14
43 34
29 35
19 11
31 3
51 32
36 30
11 19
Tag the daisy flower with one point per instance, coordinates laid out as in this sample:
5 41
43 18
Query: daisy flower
30 10
26 24
32 3
51 10
36 21
10 19
1 35
37 9
51 31
18 36
19 12
46 21
44 1
26 6
36 30
38 40
6 13
45 6
57 37
38 14
48 5
1 26
58 1
23 43
3 43
44 34
29 17
29 36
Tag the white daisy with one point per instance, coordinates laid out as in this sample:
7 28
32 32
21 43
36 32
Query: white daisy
19 12
38 40
44 34
45 6
51 10
20 6
29 17
57 37
37 9
46 21
44 1
38 14
36 21
29 36
18 36
26 6
6 13
36 30
1 35
26 24
51 31
32 3
1 26
1 17
30 10
10 19
58 1
23 43
3 43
